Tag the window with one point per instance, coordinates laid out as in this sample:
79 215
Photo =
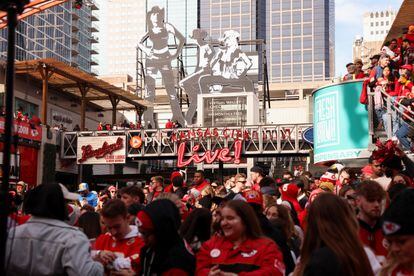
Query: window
286 17
376 24
376 32
307 69
307 43
286 58
286 31
372 24
372 15
382 23
382 32
372 32
296 29
276 18
307 29
387 23
307 16
307 55
297 43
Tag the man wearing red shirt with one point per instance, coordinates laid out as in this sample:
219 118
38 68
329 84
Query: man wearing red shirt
118 249
156 187
201 184
370 196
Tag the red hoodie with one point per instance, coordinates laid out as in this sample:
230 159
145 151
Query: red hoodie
253 257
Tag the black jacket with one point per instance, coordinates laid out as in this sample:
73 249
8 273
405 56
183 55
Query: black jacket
170 251
323 262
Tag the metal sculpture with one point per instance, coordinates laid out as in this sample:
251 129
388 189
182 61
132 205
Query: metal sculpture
159 60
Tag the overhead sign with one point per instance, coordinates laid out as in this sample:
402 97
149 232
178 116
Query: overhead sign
24 130
340 123
101 150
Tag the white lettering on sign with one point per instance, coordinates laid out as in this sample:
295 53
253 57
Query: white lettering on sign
326 120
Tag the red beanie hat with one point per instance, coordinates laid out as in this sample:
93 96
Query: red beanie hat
144 221
174 175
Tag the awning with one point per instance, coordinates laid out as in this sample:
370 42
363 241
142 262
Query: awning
70 80
404 18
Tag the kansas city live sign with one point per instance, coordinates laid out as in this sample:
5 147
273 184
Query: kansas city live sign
187 145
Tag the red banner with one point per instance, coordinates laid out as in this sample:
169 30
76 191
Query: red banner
24 130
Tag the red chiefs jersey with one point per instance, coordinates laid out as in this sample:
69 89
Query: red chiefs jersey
130 246
399 271
374 239
256 256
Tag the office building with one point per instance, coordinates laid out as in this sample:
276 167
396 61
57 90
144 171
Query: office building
376 26
122 26
61 32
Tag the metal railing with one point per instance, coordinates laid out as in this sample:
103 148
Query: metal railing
266 140
391 106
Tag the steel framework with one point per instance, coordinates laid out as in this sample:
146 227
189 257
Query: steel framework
267 140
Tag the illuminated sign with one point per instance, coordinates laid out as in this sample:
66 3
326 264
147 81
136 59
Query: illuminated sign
208 157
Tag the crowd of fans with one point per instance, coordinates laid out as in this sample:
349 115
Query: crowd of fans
341 222
390 72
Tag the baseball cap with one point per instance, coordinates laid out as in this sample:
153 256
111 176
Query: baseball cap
290 191
21 183
83 187
253 196
398 218
68 195
328 177
144 221
408 67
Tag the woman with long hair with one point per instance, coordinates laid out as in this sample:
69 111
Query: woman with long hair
196 228
331 245
241 248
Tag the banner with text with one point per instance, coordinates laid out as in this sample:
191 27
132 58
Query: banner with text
340 123
101 150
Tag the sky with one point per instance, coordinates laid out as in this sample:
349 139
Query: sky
348 24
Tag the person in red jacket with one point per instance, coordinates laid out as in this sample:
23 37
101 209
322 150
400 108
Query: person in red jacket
242 250
370 196
118 249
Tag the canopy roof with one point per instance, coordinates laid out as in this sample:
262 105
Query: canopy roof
404 18
71 81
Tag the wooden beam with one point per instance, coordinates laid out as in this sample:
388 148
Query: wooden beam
114 101
84 90
96 87
46 73
97 98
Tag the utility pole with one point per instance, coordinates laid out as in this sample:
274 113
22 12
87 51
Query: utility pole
13 8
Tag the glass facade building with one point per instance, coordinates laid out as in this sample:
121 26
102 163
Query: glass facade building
300 40
61 32
43 35
183 15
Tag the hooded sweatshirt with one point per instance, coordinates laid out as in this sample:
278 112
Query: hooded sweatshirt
170 254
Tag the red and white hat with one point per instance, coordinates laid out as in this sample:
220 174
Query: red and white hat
328 177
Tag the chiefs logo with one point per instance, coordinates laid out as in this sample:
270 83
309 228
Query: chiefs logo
390 227
135 142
